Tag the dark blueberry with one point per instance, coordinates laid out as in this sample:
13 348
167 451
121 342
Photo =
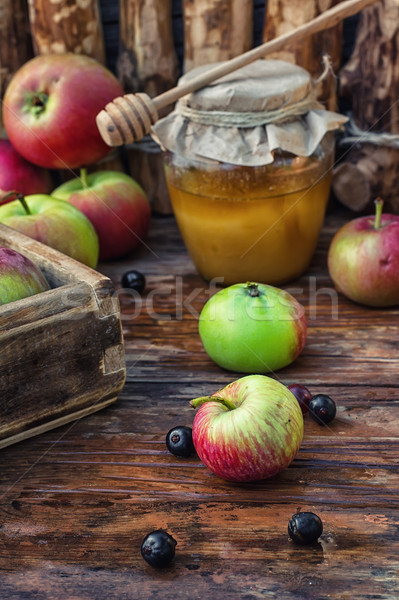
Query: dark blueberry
302 394
305 528
158 548
322 409
179 441
133 280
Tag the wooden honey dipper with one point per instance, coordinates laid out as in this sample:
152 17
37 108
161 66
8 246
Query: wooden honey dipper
128 118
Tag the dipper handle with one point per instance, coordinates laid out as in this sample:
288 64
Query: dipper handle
128 118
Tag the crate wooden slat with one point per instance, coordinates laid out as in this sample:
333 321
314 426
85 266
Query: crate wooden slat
62 353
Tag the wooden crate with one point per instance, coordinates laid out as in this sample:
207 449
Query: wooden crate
61 351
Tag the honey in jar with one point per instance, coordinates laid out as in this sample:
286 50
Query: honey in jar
250 200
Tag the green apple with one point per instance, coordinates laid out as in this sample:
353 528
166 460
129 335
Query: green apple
19 277
252 328
55 223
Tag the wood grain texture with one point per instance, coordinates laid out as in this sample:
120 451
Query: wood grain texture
372 89
216 30
371 80
15 42
67 26
147 62
75 503
62 350
146 166
282 16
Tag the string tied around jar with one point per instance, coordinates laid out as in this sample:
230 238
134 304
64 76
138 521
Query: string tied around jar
244 119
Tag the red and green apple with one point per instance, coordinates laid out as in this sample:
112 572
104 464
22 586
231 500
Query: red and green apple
19 277
55 223
363 259
50 108
115 204
249 430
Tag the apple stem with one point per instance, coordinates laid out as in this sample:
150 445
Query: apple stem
198 401
24 203
83 177
38 102
253 289
378 212
11 196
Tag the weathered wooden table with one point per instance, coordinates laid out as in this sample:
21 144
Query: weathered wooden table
76 503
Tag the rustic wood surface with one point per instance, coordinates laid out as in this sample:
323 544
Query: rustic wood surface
15 43
282 16
76 502
147 62
216 30
67 26
147 59
370 80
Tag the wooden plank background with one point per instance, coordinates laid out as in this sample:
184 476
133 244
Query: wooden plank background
110 19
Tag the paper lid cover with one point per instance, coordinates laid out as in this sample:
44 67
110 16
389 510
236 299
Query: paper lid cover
243 117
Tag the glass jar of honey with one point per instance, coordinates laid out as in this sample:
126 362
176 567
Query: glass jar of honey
249 188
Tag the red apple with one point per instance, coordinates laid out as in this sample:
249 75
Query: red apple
115 204
50 108
363 259
55 223
249 430
16 173
19 277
